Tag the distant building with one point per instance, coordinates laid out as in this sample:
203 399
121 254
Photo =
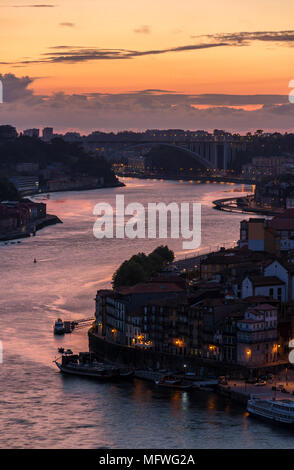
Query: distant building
15 215
269 166
136 163
166 324
72 137
7 132
257 336
267 286
275 192
31 133
47 134
118 313
269 235
257 235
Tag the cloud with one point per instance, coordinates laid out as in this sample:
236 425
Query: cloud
150 108
42 5
16 89
245 38
144 29
67 54
78 54
67 24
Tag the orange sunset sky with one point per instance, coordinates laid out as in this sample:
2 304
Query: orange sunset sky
118 64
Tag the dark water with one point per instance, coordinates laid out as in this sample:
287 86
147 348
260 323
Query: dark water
42 409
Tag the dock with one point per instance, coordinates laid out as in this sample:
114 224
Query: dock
240 391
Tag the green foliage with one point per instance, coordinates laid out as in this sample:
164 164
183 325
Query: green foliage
164 252
140 267
8 191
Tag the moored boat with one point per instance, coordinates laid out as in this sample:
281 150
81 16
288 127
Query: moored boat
59 327
173 382
83 364
279 411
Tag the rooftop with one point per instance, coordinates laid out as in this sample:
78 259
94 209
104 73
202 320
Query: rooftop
266 281
284 221
150 287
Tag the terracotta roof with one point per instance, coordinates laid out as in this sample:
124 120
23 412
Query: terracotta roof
264 307
105 292
255 299
169 302
266 281
220 259
150 287
284 221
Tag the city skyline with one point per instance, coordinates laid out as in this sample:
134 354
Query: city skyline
113 65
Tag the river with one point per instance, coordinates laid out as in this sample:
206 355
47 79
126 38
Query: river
42 409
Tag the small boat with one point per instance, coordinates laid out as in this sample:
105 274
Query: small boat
126 373
83 364
173 382
278 411
59 327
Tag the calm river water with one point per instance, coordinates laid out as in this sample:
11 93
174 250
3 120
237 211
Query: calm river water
42 409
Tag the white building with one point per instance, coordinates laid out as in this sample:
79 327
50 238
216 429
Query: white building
285 272
265 286
257 336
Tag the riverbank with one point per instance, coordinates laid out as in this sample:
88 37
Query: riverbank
240 391
148 359
187 177
69 188
31 229
86 187
244 205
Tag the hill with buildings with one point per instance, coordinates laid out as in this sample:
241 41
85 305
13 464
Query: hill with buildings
34 165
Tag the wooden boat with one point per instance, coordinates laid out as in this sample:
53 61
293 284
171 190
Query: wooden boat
82 365
173 382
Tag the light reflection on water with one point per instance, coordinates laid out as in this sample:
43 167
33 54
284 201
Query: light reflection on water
39 407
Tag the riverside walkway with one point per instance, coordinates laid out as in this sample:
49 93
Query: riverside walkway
244 204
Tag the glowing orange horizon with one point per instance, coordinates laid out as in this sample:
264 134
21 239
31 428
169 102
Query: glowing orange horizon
30 34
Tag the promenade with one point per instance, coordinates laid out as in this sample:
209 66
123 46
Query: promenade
244 205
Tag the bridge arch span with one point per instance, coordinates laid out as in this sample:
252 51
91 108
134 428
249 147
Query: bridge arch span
198 158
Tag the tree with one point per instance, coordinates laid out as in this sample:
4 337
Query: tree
8 191
129 274
165 253
139 268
